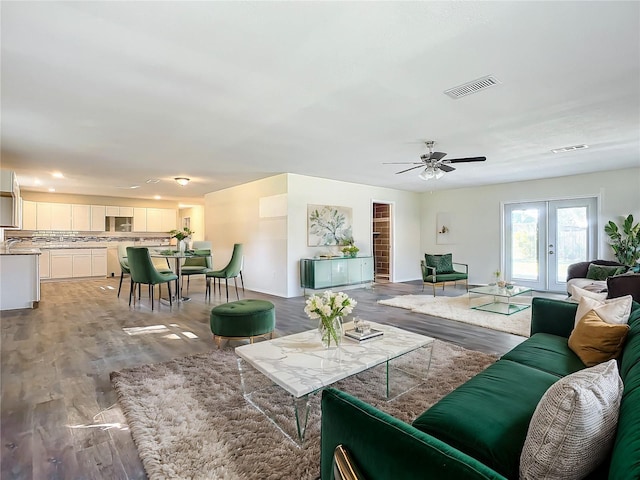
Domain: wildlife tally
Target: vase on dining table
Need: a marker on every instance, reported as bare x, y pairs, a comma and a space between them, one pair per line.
330, 329
182, 246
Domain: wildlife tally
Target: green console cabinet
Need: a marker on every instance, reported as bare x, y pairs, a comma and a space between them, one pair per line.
320, 273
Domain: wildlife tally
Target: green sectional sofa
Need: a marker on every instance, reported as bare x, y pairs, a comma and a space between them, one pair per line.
478, 430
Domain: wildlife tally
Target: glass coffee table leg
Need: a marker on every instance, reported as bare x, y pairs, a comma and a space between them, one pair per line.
301, 406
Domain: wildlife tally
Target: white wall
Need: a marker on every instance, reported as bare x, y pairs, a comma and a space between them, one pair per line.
233, 216
305, 190
476, 213
269, 217
196, 220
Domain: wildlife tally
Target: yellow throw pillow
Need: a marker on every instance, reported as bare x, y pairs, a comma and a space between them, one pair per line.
596, 341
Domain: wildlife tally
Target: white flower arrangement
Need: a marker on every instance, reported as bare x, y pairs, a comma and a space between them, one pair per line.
327, 307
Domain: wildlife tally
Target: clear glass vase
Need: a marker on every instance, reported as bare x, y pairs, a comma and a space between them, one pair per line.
330, 331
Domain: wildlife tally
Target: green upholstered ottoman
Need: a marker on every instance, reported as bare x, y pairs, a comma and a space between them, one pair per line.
243, 319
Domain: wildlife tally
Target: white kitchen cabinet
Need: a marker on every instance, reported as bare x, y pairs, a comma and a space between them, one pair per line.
169, 219
126, 212
154, 220
20, 282
45, 263
43, 216
99, 262
81, 264
112, 211
81, 218
61, 216
139, 220
61, 264
98, 213
29, 215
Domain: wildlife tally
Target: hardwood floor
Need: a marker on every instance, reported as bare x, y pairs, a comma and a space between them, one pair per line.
59, 413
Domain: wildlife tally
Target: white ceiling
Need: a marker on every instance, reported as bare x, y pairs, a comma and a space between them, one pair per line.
114, 93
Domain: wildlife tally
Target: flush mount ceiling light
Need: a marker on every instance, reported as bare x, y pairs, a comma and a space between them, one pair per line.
182, 180
57, 175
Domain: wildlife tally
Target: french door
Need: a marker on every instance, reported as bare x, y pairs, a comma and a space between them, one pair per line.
543, 238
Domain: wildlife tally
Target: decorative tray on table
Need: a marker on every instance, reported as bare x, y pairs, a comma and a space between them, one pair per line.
362, 336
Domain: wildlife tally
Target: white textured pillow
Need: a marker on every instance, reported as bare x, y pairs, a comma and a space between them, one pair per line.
614, 310
577, 293
574, 425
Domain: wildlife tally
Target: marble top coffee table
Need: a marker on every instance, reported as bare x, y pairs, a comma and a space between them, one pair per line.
302, 366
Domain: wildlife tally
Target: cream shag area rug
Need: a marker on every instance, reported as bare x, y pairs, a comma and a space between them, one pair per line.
457, 308
189, 419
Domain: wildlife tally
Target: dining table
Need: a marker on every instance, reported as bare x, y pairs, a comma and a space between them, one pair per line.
177, 256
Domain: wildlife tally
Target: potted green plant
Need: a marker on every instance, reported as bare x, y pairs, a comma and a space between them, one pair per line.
625, 242
350, 250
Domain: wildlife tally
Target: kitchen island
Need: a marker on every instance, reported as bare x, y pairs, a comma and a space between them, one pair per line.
19, 278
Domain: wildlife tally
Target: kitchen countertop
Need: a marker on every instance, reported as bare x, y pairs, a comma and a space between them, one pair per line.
19, 251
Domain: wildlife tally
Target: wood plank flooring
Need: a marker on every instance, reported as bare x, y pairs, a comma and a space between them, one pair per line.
59, 413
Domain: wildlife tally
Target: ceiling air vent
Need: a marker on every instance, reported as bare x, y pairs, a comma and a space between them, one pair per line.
569, 149
472, 87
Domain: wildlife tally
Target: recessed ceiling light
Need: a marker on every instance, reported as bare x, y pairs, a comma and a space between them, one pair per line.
153, 181
569, 149
52, 189
157, 197
37, 182
57, 175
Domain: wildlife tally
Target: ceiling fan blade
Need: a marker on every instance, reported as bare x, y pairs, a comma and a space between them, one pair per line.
445, 168
437, 156
402, 163
412, 168
468, 159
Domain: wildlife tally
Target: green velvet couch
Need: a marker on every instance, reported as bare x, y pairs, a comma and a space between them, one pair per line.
478, 430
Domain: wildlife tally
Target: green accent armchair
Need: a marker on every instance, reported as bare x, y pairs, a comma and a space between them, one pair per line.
439, 269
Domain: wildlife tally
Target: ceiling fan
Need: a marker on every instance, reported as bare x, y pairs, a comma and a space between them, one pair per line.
433, 163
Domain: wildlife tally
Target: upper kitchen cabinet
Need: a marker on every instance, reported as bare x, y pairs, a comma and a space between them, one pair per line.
81, 218
61, 216
119, 211
43, 216
139, 220
10, 202
169, 219
98, 213
29, 215
154, 220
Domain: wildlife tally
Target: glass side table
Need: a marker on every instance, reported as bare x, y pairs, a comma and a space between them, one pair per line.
503, 299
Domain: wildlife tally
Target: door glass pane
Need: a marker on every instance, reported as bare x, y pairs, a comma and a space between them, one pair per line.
572, 238
524, 244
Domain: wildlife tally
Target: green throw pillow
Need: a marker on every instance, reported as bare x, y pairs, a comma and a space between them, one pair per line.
442, 263
601, 272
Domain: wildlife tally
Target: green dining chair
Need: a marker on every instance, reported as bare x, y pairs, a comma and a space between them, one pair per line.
199, 264
232, 270
124, 264
144, 272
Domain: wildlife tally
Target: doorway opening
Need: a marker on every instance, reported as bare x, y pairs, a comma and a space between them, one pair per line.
382, 235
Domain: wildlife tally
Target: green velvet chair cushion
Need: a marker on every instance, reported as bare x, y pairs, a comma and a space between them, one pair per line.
386, 448
244, 318
445, 277
549, 353
442, 263
488, 416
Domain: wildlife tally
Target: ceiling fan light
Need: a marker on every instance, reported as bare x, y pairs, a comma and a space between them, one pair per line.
424, 175
439, 174
182, 180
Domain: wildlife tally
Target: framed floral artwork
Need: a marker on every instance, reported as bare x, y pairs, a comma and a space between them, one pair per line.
328, 225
